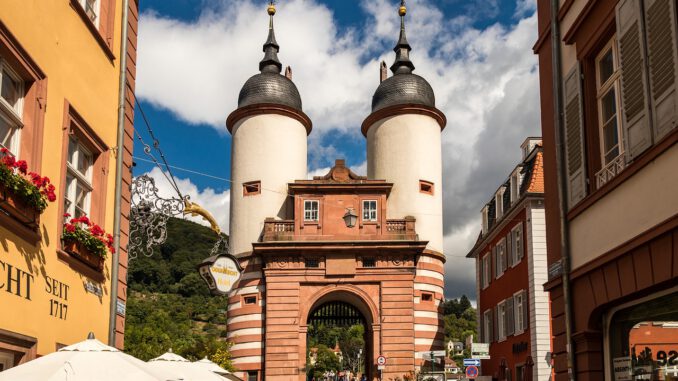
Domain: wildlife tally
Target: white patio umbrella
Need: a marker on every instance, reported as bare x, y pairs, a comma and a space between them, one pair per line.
172, 367
89, 360
213, 367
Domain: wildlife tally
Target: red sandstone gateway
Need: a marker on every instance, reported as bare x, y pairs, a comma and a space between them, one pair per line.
340, 250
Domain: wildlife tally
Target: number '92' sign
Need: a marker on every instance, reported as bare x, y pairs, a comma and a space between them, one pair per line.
667, 358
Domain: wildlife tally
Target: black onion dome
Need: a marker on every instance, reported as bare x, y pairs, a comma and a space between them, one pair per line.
269, 88
403, 89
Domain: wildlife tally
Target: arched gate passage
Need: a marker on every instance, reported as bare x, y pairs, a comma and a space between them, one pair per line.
342, 309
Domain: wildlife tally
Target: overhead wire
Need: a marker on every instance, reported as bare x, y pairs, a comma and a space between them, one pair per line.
156, 146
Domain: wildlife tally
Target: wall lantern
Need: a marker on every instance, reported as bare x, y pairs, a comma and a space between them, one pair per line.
220, 272
350, 218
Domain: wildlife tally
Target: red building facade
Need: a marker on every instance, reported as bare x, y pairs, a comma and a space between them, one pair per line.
510, 259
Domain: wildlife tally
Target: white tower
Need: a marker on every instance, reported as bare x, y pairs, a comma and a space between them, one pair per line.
404, 145
269, 148
404, 148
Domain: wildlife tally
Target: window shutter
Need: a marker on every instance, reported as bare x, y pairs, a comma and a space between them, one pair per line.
495, 325
494, 262
637, 132
526, 310
482, 325
503, 256
481, 272
509, 248
574, 138
510, 326
519, 242
490, 326
662, 47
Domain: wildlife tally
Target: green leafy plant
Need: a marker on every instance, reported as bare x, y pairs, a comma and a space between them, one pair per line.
90, 235
33, 189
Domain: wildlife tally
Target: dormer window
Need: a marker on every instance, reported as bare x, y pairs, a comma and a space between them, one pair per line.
515, 186
311, 208
485, 220
499, 203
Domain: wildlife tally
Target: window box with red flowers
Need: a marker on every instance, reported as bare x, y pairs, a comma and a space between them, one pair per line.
23, 195
86, 241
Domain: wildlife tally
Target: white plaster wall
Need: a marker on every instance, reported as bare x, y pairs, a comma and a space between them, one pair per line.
270, 148
540, 318
404, 149
643, 201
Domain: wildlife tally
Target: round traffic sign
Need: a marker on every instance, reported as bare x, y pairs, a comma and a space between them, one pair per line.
381, 360
472, 371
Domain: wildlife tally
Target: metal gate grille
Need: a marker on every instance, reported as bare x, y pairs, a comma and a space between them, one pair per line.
336, 314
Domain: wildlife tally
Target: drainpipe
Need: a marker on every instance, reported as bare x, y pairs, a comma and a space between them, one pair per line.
119, 167
562, 183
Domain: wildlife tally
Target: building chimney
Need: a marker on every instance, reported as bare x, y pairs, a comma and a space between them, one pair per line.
288, 73
383, 72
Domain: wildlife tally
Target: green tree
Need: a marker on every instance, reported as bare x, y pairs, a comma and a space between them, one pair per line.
325, 361
169, 305
352, 344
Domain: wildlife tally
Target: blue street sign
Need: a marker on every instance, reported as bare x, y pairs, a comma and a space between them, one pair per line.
471, 362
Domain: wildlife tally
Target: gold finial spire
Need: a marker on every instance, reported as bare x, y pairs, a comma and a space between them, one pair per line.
271, 8
402, 11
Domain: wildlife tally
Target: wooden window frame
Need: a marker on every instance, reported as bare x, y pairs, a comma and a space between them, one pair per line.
487, 271
487, 326
32, 119
317, 219
501, 321
74, 125
376, 211
12, 114
247, 192
103, 31
426, 187
602, 89
85, 180
24, 348
518, 312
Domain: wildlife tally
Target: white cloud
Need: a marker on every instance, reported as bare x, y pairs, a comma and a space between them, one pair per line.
214, 202
485, 81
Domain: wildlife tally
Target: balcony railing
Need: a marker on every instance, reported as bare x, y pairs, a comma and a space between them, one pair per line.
611, 170
284, 230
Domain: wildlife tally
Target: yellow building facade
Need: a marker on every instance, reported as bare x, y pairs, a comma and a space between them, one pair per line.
62, 65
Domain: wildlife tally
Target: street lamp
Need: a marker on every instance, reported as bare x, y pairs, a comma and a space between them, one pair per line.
350, 218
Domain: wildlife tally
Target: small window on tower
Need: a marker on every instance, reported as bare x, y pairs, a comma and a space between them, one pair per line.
251, 188
369, 262
250, 300
426, 297
426, 187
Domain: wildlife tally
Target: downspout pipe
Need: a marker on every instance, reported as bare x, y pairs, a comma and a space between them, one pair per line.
119, 168
563, 194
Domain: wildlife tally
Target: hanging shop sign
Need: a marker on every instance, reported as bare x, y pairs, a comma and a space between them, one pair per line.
220, 272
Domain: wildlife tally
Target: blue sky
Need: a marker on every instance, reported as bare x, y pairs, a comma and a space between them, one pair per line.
195, 55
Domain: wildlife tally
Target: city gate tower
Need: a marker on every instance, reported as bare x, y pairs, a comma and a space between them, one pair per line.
340, 248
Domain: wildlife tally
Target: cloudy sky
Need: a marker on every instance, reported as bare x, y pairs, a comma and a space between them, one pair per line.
195, 55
